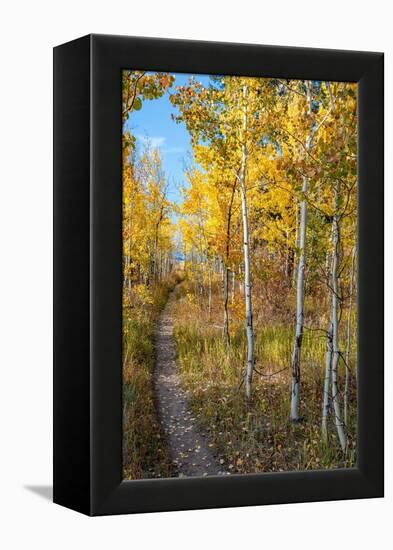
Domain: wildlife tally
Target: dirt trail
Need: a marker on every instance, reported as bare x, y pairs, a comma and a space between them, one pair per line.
188, 447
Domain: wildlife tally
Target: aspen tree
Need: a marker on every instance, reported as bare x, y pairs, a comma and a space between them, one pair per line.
246, 247
297, 345
334, 323
349, 332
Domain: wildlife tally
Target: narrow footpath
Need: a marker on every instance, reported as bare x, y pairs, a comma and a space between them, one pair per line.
189, 450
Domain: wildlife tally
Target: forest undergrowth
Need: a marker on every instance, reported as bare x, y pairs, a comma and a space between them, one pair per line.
256, 435
145, 452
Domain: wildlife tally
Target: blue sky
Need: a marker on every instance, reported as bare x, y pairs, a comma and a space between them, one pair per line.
153, 122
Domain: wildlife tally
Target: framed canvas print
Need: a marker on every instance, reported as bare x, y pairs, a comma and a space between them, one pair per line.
218, 275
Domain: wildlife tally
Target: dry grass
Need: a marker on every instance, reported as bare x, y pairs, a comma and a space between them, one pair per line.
256, 436
145, 452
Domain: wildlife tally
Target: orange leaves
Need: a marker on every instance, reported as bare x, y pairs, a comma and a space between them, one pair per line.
139, 86
166, 81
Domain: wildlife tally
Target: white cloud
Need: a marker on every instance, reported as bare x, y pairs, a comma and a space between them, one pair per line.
159, 141
154, 141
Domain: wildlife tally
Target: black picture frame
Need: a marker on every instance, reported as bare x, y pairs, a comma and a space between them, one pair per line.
88, 278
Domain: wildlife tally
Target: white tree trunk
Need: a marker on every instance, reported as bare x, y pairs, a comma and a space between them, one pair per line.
326, 383
328, 358
348, 349
335, 305
246, 250
294, 273
233, 287
226, 268
210, 290
327, 264
299, 308
297, 345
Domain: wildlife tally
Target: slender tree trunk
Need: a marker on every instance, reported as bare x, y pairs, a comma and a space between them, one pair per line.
233, 287
155, 244
294, 272
299, 308
226, 317
328, 359
297, 345
327, 265
185, 258
335, 305
127, 277
201, 279
160, 271
210, 290
286, 265
326, 383
246, 249
348, 349
241, 288
155, 253
226, 268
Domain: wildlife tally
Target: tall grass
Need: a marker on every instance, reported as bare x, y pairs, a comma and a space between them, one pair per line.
145, 452
257, 435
